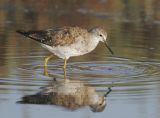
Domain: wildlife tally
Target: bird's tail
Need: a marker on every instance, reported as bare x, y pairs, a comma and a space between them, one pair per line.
22, 32
27, 34
40, 36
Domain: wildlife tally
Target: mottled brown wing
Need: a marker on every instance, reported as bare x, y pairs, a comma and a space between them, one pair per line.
56, 36
66, 35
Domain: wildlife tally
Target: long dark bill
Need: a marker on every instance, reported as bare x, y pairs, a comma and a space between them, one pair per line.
108, 48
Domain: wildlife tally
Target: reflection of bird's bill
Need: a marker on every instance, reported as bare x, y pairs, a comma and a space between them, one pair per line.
109, 90
109, 48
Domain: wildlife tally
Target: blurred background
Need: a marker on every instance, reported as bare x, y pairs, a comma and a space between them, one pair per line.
133, 28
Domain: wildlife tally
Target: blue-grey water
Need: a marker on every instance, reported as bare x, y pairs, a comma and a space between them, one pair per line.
133, 29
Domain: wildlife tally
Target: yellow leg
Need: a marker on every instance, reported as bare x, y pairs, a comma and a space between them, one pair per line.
64, 68
45, 64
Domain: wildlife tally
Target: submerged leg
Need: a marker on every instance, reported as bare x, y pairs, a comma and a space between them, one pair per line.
45, 64
64, 67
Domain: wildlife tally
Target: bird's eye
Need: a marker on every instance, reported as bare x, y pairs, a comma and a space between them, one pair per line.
100, 35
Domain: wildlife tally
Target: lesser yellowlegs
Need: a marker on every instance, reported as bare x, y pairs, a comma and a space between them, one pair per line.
66, 42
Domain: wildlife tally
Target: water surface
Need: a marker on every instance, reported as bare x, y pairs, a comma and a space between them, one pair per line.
133, 32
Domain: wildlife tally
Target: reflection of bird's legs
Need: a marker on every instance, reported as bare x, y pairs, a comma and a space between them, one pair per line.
64, 67
45, 64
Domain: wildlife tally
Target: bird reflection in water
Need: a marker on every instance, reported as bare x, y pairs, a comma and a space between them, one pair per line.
71, 94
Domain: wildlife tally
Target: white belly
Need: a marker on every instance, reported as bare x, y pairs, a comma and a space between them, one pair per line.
72, 50
62, 52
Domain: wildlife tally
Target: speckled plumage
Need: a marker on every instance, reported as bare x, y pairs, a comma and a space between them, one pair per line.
59, 36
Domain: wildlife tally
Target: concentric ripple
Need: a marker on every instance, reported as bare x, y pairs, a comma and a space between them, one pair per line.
117, 68
126, 75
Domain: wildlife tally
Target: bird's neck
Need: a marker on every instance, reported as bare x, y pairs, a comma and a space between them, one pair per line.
94, 42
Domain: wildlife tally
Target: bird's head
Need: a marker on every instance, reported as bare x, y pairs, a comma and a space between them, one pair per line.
101, 36
100, 105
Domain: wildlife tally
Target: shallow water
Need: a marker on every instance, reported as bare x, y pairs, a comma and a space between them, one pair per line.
133, 32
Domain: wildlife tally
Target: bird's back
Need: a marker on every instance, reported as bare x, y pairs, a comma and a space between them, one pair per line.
58, 36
